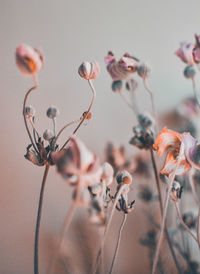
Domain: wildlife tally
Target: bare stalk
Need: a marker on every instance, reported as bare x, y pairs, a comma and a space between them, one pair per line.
184, 224
163, 221
198, 227
54, 126
118, 241
33, 126
85, 116
39, 213
65, 226
161, 210
107, 227
152, 97
24, 108
194, 91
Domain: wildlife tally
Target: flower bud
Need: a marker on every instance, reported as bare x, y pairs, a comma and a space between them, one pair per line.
117, 86
52, 112
89, 70
144, 70
189, 72
29, 112
145, 120
48, 134
124, 177
176, 191
28, 60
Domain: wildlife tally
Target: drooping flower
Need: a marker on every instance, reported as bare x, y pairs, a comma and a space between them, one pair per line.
196, 50
77, 161
178, 147
29, 60
122, 69
185, 53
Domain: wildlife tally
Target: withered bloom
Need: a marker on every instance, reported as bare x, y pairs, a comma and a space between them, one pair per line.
185, 53
77, 161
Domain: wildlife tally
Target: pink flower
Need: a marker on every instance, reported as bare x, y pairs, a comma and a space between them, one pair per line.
196, 50
77, 162
28, 60
178, 146
122, 69
185, 53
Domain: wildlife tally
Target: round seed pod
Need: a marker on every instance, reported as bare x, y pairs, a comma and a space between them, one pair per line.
89, 70
48, 134
29, 112
189, 72
124, 177
52, 112
116, 86
144, 70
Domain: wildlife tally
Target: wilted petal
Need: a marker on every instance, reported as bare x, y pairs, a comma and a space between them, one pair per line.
188, 142
185, 53
196, 55
32, 156
167, 139
129, 63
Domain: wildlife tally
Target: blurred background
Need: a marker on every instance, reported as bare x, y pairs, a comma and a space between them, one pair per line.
69, 32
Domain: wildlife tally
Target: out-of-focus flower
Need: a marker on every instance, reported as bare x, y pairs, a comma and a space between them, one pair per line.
144, 70
77, 161
107, 173
145, 193
189, 219
149, 239
143, 137
89, 70
117, 86
52, 112
29, 112
185, 53
28, 60
196, 50
48, 134
131, 85
178, 147
115, 156
188, 108
176, 191
122, 69
189, 72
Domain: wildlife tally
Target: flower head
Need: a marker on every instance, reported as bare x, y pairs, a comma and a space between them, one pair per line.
29, 60
89, 70
178, 146
185, 53
196, 50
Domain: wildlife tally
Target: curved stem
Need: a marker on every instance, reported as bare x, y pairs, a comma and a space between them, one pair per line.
62, 129
127, 103
161, 210
163, 220
183, 224
152, 97
107, 227
85, 116
33, 126
194, 91
65, 226
39, 213
24, 107
118, 241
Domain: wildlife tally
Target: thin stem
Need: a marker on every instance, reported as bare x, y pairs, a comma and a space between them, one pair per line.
54, 126
194, 91
118, 241
33, 126
127, 103
161, 210
85, 116
24, 108
39, 213
65, 226
198, 227
183, 224
107, 226
152, 97
163, 220
66, 126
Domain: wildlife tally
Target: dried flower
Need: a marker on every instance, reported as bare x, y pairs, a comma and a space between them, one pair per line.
115, 156
52, 112
143, 138
77, 161
29, 60
48, 134
185, 53
178, 147
33, 157
189, 72
144, 70
122, 69
29, 112
89, 70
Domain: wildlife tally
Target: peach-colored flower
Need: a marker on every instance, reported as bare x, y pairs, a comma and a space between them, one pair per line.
122, 69
185, 53
178, 146
196, 50
28, 60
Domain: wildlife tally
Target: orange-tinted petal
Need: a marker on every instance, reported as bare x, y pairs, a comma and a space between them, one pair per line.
167, 139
